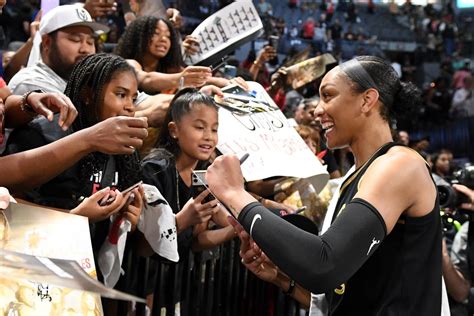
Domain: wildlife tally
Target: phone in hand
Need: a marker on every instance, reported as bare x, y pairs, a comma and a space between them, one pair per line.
130, 188
230, 71
199, 184
300, 210
273, 41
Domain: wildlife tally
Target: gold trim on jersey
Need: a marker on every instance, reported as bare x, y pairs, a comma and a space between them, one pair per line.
351, 178
426, 162
342, 209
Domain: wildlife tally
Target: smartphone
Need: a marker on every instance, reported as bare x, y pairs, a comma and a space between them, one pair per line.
300, 210
237, 92
230, 71
199, 184
130, 188
219, 64
273, 41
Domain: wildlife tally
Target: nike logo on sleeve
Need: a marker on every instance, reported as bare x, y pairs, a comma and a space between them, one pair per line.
255, 218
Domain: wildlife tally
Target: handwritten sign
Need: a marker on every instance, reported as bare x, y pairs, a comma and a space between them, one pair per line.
274, 146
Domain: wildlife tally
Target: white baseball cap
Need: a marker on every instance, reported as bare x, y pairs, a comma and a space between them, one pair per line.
61, 17
69, 15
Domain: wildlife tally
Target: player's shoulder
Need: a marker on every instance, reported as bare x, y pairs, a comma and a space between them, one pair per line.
405, 154
400, 162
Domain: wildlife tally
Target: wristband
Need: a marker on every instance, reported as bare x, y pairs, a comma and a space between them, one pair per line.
25, 106
291, 288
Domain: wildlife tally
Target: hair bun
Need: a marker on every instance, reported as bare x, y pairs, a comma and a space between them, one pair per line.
407, 101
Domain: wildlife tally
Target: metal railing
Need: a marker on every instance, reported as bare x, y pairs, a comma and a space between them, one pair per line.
212, 282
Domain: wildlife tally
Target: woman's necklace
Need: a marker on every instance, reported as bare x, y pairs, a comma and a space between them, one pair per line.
177, 190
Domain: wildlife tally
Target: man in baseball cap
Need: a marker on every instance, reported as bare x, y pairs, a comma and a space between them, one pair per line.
66, 34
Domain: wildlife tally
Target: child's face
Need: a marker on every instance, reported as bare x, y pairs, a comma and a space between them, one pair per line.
442, 164
119, 96
196, 132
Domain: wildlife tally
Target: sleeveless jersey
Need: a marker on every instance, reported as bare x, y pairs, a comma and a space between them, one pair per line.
403, 276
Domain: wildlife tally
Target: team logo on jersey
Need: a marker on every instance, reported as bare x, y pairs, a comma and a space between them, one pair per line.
374, 242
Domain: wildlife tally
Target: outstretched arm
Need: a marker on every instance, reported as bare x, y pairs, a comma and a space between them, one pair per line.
28, 169
153, 81
19, 110
321, 263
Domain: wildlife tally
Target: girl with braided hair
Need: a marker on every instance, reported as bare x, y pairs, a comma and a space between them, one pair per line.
101, 86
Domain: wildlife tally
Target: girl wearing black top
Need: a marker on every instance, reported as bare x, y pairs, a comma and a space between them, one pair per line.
382, 254
185, 143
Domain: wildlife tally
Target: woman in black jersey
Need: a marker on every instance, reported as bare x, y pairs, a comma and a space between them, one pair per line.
382, 253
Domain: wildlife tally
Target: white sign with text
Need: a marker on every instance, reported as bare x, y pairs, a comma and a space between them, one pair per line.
274, 147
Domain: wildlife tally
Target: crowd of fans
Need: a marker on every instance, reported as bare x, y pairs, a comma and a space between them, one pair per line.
97, 88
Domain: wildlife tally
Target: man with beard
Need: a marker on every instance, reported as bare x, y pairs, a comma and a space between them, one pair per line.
66, 35
26, 170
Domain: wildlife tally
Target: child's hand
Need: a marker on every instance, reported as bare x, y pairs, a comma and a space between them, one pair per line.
194, 212
94, 207
133, 209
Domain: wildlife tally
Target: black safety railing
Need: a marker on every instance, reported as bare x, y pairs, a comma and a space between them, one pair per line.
212, 282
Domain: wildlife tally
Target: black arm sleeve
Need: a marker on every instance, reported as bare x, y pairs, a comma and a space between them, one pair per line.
318, 263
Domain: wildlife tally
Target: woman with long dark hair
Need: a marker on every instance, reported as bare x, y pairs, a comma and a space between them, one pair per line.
151, 45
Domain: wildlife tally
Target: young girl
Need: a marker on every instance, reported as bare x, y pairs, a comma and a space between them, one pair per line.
441, 165
101, 86
186, 143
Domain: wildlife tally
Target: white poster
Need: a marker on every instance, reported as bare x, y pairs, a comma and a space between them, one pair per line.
47, 264
275, 148
238, 22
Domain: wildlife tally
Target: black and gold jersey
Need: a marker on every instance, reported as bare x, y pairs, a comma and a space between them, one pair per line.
394, 280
